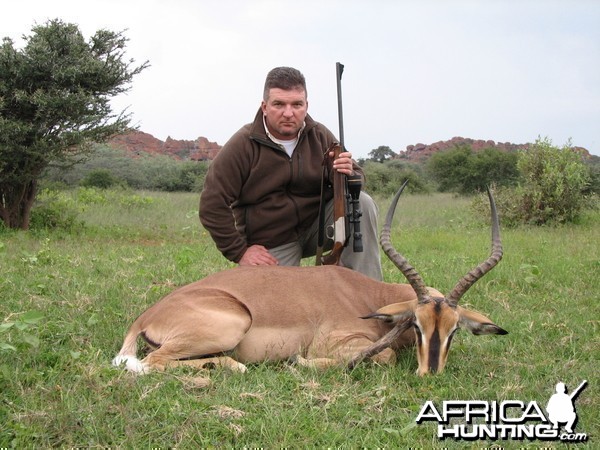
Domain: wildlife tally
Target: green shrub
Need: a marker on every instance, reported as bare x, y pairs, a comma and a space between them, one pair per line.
101, 178
552, 190
593, 186
507, 204
385, 178
91, 196
554, 181
55, 210
135, 201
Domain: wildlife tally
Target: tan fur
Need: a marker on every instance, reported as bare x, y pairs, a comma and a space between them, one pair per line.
257, 314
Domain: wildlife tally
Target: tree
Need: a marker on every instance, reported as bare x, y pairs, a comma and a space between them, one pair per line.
466, 172
54, 103
381, 153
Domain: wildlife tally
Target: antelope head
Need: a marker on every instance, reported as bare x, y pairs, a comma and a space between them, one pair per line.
434, 318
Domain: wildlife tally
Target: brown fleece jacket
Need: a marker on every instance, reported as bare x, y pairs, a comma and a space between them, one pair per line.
254, 193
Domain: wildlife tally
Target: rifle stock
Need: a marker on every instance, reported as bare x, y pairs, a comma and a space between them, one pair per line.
340, 227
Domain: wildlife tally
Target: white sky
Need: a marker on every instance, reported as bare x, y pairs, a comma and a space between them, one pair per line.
415, 71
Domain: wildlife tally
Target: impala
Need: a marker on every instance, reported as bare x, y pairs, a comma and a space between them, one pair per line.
320, 316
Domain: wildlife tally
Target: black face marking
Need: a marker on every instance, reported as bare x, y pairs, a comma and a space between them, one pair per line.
434, 351
450, 337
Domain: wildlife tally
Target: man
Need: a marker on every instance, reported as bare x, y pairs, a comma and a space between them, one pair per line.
262, 192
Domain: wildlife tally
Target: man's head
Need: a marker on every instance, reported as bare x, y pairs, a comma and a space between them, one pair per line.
284, 78
284, 102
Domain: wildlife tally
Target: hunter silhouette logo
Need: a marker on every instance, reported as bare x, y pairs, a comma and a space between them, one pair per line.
508, 419
561, 406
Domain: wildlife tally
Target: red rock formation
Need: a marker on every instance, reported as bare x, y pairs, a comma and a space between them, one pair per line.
138, 142
420, 152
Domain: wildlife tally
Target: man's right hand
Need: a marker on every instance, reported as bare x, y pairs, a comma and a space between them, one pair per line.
258, 255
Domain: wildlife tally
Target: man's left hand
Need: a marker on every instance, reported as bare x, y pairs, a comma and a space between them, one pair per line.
343, 163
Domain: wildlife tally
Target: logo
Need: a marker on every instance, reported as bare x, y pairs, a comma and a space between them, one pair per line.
509, 419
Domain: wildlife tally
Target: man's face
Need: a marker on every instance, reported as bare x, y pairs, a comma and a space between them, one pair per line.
285, 112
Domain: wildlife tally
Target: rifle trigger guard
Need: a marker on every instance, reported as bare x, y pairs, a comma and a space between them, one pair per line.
330, 232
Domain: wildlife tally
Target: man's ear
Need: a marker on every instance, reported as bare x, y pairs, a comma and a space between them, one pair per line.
394, 313
476, 323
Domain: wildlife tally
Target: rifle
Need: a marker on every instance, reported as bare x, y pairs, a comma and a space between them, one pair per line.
576, 392
346, 191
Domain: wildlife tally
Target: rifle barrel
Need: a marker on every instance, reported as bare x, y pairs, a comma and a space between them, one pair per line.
578, 390
339, 69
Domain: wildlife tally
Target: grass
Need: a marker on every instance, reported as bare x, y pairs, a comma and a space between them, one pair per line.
71, 297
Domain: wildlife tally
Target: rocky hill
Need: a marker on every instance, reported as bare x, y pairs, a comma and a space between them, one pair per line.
138, 142
201, 149
421, 152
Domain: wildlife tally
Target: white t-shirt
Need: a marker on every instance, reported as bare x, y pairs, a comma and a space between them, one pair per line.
288, 146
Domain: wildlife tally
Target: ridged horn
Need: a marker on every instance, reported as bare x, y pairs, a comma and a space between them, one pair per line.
496, 255
400, 261
381, 344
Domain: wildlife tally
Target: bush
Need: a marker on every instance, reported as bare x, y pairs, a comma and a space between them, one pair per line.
100, 178
386, 178
554, 182
593, 186
507, 204
54, 210
108, 167
553, 188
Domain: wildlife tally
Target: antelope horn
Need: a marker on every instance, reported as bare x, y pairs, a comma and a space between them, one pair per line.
381, 344
470, 278
400, 261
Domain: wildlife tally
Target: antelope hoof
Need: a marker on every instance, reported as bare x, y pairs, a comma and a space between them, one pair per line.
131, 363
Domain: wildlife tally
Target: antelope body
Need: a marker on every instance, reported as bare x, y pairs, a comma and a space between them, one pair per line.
314, 314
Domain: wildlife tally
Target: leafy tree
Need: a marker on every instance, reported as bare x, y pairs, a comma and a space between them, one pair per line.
466, 172
54, 102
450, 168
381, 154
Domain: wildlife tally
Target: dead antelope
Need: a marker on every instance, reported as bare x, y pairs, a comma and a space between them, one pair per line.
316, 314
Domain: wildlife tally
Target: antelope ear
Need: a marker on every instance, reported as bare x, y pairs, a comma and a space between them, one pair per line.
396, 312
476, 323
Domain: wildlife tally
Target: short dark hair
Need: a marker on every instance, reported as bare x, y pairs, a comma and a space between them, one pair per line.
286, 78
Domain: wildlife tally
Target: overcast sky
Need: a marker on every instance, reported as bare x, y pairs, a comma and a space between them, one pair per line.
415, 71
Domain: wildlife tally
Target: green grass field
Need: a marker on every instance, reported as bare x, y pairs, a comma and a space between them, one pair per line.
66, 300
